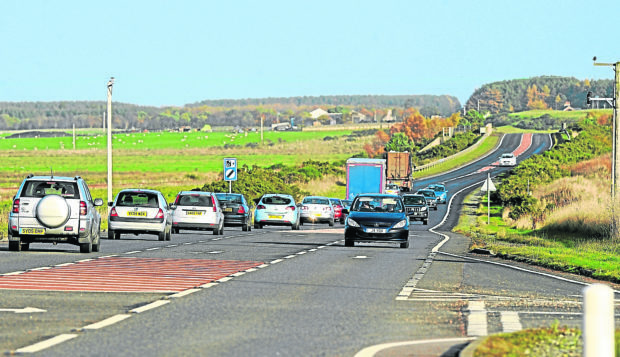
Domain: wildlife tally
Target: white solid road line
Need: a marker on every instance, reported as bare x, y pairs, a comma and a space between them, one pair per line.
373, 350
39, 346
183, 293
107, 322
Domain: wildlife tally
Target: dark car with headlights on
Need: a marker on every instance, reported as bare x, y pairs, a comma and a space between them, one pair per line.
377, 218
416, 207
237, 212
431, 197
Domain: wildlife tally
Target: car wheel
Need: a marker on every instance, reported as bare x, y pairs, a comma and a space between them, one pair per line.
249, 226
301, 223
86, 247
111, 234
257, 226
341, 220
405, 244
175, 230
162, 235
98, 240
331, 222
15, 246
25, 246
169, 235
245, 227
425, 222
222, 229
435, 208
117, 236
349, 242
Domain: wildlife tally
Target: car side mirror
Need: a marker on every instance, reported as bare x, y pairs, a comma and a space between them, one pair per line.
98, 202
172, 206
111, 203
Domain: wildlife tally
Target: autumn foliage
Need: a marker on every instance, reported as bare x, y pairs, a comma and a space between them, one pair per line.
415, 126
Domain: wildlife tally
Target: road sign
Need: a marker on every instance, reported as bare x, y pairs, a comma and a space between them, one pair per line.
230, 169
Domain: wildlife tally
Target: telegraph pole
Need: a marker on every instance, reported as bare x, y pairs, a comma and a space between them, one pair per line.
109, 117
615, 161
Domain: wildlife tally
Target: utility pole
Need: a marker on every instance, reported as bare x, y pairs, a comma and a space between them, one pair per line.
109, 117
615, 162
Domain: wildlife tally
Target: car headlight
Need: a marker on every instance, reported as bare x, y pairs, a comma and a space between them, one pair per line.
352, 223
400, 224
423, 209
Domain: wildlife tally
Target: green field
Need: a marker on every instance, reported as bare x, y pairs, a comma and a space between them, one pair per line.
574, 115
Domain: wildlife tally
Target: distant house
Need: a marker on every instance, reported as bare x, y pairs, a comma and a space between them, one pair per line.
358, 117
318, 112
567, 107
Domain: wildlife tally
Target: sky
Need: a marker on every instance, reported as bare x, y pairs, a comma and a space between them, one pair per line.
172, 53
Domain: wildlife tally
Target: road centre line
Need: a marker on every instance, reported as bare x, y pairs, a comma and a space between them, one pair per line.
39, 346
154, 248
150, 306
107, 322
133, 252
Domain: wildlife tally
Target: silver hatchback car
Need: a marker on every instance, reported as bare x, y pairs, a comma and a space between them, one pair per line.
139, 211
197, 210
316, 209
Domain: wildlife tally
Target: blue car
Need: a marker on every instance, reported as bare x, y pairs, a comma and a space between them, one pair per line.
377, 218
440, 192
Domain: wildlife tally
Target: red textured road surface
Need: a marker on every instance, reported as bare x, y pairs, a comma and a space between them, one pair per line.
526, 142
115, 274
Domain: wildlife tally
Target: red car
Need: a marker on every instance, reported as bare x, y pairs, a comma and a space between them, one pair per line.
338, 215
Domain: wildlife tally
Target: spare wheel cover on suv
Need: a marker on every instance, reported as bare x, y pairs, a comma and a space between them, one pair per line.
53, 211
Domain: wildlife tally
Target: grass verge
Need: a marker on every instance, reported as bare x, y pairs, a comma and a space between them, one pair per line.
485, 147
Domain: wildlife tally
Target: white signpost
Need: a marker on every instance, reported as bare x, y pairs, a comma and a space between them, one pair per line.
230, 171
487, 187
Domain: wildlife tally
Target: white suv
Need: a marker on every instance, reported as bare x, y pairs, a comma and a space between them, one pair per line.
53, 209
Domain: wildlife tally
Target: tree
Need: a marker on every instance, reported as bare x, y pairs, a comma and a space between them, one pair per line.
400, 143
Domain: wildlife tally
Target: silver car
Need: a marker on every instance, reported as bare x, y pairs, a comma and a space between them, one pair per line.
139, 211
197, 210
53, 209
317, 209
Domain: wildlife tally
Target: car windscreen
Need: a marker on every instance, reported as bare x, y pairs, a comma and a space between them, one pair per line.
276, 200
414, 200
229, 198
195, 200
44, 188
315, 201
142, 199
378, 204
427, 193
335, 201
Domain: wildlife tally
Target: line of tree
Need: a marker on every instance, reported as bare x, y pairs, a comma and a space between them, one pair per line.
544, 92
242, 113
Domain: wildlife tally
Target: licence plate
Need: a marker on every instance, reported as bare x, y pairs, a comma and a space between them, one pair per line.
375, 230
136, 213
193, 213
317, 215
227, 209
37, 231
275, 217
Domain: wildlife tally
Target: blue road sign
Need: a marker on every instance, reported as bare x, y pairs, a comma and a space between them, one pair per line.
230, 169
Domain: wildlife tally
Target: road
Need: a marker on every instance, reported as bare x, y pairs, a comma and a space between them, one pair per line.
276, 291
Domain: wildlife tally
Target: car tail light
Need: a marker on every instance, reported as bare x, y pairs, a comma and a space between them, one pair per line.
16, 206
176, 200
241, 210
160, 214
304, 208
260, 207
213, 203
82, 208
290, 208
113, 212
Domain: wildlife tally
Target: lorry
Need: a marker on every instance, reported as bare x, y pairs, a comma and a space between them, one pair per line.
365, 176
398, 170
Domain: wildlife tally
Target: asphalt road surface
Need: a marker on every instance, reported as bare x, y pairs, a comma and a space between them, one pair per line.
276, 291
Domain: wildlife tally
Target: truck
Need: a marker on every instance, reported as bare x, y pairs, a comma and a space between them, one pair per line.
399, 170
365, 176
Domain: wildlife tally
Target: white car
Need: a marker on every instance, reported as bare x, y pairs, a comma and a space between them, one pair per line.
317, 209
507, 159
139, 211
197, 210
277, 210
392, 189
